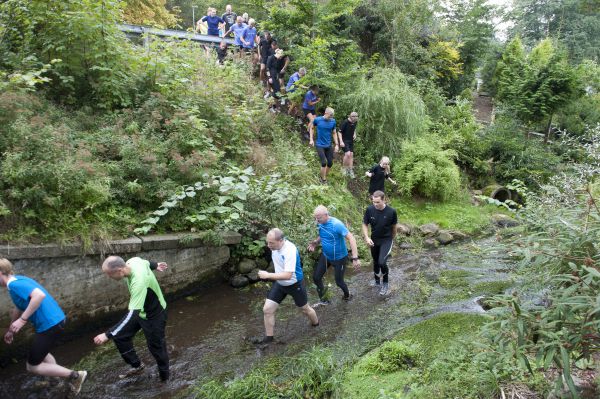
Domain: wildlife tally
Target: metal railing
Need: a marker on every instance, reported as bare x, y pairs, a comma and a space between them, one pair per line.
145, 31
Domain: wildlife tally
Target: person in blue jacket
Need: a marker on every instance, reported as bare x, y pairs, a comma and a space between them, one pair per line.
33, 304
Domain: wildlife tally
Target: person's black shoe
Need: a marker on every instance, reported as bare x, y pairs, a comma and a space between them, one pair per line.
261, 340
164, 375
348, 298
133, 371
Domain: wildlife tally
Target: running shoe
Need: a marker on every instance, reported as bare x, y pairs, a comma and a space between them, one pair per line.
322, 302
348, 298
133, 371
267, 95
282, 101
385, 289
164, 375
351, 173
375, 283
78, 382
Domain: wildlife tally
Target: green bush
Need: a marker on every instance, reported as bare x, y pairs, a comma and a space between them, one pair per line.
427, 170
385, 121
395, 355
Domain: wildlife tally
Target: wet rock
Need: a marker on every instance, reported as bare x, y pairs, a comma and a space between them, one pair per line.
271, 268
403, 229
430, 243
246, 266
504, 221
239, 281
253, 276
262, 263
444, 237
459, 235
429, 229
405, 245
477, 192
425, 262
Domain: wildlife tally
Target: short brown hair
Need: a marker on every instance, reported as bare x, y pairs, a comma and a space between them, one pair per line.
6, 267
379, 194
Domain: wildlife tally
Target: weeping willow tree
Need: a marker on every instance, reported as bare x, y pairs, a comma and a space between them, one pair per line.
390, 111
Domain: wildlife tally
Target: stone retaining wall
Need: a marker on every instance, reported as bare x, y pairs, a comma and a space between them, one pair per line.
74, 277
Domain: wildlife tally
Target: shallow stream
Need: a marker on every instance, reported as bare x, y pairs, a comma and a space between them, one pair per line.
206, 332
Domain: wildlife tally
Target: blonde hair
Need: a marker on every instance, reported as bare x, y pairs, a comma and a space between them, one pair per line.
386, 167
6, 267
329, 110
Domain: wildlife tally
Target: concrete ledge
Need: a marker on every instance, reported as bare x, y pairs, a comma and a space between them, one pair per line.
125, 246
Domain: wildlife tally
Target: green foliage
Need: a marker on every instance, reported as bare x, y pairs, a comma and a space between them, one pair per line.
514, 156
461, 133
148, 12
385, 121
427, 170
536, 85
313, 374
393, 356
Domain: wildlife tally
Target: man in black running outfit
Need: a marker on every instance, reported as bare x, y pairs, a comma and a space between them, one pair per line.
383, 221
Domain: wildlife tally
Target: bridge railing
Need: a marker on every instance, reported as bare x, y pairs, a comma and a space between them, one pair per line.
138, 30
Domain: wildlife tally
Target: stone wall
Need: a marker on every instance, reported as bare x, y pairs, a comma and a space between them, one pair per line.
74, 278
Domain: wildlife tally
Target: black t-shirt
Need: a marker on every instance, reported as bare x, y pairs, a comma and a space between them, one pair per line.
381, 221
280, 63
347, 130
229, 20
265, 47
378, 179
221, 54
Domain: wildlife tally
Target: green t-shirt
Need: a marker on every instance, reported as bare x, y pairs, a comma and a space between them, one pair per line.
145, 292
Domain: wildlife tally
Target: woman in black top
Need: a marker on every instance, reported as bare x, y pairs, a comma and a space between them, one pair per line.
378, 174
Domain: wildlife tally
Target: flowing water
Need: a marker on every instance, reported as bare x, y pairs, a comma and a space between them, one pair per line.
206, 333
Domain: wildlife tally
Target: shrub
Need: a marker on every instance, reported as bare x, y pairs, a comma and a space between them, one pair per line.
385, 120
395, 355
427, 170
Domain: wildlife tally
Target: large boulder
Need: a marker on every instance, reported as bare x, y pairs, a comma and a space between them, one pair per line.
253, 276
246, 266
262, 263
403, 229
430, 243
429, 229
239, 281
444, 237
504, 221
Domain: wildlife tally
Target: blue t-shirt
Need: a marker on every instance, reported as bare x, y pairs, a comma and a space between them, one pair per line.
324, 129
333, 239
47, 315
238, 31
310, 96
290, 84
249, 35
213, 24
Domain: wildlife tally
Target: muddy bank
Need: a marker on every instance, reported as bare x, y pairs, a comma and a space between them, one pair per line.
206, 332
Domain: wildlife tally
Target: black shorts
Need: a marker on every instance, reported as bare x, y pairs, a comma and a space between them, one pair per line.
297, 291
348, 145
325, 155
44, 342
308, 111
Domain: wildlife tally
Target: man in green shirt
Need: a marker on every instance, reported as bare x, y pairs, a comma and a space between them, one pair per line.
147, 311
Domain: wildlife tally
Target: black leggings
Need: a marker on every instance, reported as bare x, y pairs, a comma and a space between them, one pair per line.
154, 330
326, 156
339, 267
381, 252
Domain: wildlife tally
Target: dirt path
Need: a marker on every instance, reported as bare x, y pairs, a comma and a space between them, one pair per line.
483, 108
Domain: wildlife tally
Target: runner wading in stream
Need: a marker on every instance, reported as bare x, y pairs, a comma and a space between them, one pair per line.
332, 237
147, 311
34, 304
288, 280
383, 220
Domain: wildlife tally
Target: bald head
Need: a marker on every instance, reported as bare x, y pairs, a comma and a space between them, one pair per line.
114, 267
275, 239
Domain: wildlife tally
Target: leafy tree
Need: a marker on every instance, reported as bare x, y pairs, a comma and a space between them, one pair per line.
391, 111
148, 12
576, 23
535, 86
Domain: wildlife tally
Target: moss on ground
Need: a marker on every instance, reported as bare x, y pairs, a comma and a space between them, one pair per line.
434, 335
459, 214
486, 288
